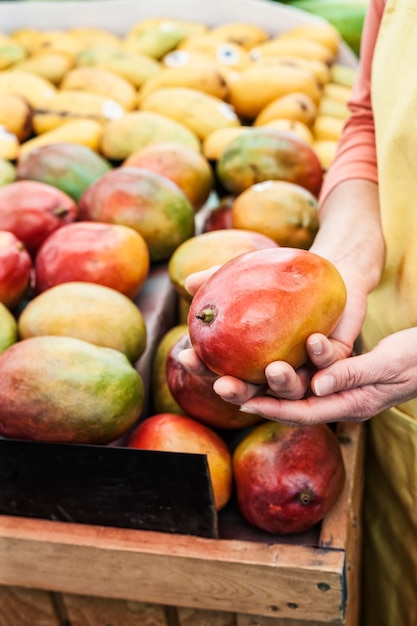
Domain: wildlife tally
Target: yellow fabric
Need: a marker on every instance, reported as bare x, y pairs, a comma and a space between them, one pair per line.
390, 502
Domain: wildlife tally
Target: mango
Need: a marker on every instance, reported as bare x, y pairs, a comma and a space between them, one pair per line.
16, 115
112, 255
67, 390
154, 41
196, 396
8, 328
15, 270
187, 168
68, 166
137, 129
7, 172
285, 212
87, 311
162, 399
241, 33
201, 112
211, 248
259, 84
102, 81
10, 52
32, 210
268, 154
145, 201
204, 76
131, 65
288, 478
52, 66
86, 132
261, 307
170, 432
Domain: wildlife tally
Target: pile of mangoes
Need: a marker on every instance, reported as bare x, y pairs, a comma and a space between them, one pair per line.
169, 80
111, 150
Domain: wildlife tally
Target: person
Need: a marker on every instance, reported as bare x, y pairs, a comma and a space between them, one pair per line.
368, 229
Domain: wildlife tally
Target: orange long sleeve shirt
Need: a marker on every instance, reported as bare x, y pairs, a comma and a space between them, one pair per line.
356, 154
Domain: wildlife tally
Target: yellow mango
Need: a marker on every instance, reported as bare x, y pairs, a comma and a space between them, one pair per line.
199, 111
257, 86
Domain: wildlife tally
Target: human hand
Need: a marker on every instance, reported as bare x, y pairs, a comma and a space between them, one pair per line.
352, 389
283, 381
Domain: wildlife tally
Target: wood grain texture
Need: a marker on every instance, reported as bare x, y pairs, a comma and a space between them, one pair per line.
26, 607
197, 617
90, 611
257, 580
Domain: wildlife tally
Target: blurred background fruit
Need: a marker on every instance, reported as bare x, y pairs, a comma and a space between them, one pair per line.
15, 270
68, 166
32, 210
283, 211
145, 201
88, 311
187, 168
112, 255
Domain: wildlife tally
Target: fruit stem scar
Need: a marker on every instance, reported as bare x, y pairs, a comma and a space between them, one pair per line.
206, 315
61, 211
305, 497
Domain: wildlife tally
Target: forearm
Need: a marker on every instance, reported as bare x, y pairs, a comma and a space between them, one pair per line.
350, 233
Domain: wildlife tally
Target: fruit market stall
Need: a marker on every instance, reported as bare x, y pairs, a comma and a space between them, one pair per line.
102, 526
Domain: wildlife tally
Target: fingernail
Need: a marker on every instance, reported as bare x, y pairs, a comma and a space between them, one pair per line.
325, 385
245, 409
277, 375
316, 347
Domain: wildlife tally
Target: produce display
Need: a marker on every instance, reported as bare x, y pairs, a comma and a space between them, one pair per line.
181, 146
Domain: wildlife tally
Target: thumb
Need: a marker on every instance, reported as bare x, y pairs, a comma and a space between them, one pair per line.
343, 375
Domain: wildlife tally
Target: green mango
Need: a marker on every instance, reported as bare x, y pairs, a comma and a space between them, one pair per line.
8, 328
68, 166
67, 390
7, 172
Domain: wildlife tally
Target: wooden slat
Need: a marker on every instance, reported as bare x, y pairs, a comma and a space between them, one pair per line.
251, 620
91, 611
26, 607
335, 526
171, 569
197, 617
256, 580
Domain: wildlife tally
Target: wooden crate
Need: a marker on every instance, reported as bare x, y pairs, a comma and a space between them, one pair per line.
102, 575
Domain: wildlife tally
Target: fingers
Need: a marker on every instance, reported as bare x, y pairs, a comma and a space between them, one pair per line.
312, 410
235, 390
195, 280
190, 361
285, 382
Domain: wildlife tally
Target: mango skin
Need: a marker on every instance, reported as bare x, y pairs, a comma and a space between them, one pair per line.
268, 154
8, 328
261, 307
196, 396
32, 210
15, 270
144, 200
206, 249
62, 389
288, 477
112, 255
68, 166
87, 311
